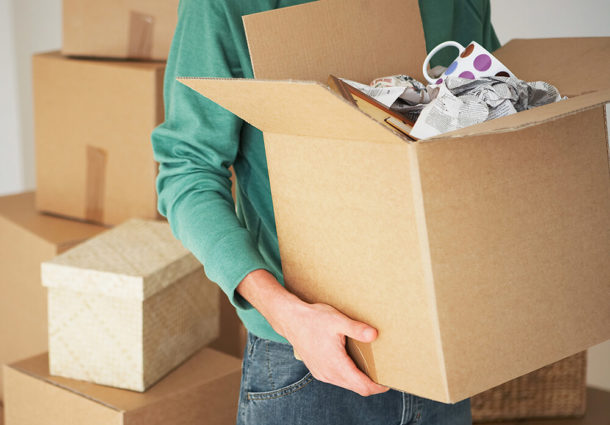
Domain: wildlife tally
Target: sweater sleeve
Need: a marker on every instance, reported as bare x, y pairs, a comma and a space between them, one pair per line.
196, 144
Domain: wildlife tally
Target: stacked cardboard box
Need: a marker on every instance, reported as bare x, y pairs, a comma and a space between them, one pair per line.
93, 120
137, 29
204, 390
95, 168
28, 238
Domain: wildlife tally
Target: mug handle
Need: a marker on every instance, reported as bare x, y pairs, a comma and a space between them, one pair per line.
433, 52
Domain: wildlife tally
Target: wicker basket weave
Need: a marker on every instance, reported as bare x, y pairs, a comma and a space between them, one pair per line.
128, 306
557, 390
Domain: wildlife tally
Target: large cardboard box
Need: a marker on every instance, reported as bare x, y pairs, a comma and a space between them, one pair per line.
93, 121
139, 29
204, 390
479, 255
128, 306
26, 239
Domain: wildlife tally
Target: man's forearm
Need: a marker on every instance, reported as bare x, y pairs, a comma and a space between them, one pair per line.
269, 297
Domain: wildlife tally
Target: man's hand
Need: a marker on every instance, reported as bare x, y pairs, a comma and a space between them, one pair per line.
316, 331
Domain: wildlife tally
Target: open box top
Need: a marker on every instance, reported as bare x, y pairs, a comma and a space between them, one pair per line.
294, 50
480, 254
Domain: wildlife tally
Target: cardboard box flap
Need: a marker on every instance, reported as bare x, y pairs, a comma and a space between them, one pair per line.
574, 65
292, 107
356, 39
206, 365
533, 116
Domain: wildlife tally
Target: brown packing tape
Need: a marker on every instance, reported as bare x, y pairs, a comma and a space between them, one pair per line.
141, 30
95, 184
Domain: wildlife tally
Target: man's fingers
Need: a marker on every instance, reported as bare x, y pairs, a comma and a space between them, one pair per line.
358, 330
353, 379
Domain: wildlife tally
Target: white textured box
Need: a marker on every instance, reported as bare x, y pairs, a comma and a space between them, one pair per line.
127, 307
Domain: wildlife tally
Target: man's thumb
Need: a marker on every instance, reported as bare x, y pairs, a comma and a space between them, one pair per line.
360, 331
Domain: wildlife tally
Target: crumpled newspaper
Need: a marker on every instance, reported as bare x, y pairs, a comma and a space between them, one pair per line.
400, 93
413, 97
461, 102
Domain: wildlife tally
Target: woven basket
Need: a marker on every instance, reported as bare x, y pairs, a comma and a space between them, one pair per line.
557, 390
127, 307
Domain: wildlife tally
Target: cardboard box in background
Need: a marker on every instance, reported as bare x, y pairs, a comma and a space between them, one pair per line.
26, 239
232, 337
139, 29
202, 391
128, 306
93, 121
480, 255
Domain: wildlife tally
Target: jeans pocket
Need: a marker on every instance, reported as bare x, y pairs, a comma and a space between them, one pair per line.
273, 371
283, 391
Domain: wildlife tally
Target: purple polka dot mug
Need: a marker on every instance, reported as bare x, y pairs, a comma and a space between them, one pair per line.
473, 61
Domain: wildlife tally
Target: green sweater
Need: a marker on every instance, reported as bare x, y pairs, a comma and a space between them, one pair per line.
199, 140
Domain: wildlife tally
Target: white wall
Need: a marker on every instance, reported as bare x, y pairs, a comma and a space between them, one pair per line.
559, 18
550, 18
26, 27
11, 170
29, 26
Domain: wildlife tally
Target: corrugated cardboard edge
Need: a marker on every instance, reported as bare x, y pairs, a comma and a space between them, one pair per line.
422, 230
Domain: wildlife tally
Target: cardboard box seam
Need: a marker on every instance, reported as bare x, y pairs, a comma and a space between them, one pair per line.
422, 231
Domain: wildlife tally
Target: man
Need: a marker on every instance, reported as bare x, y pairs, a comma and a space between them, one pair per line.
195, 146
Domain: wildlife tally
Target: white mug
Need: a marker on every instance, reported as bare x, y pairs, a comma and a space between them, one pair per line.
473, 62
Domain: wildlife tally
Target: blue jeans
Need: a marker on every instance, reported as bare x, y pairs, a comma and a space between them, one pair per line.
277, 389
